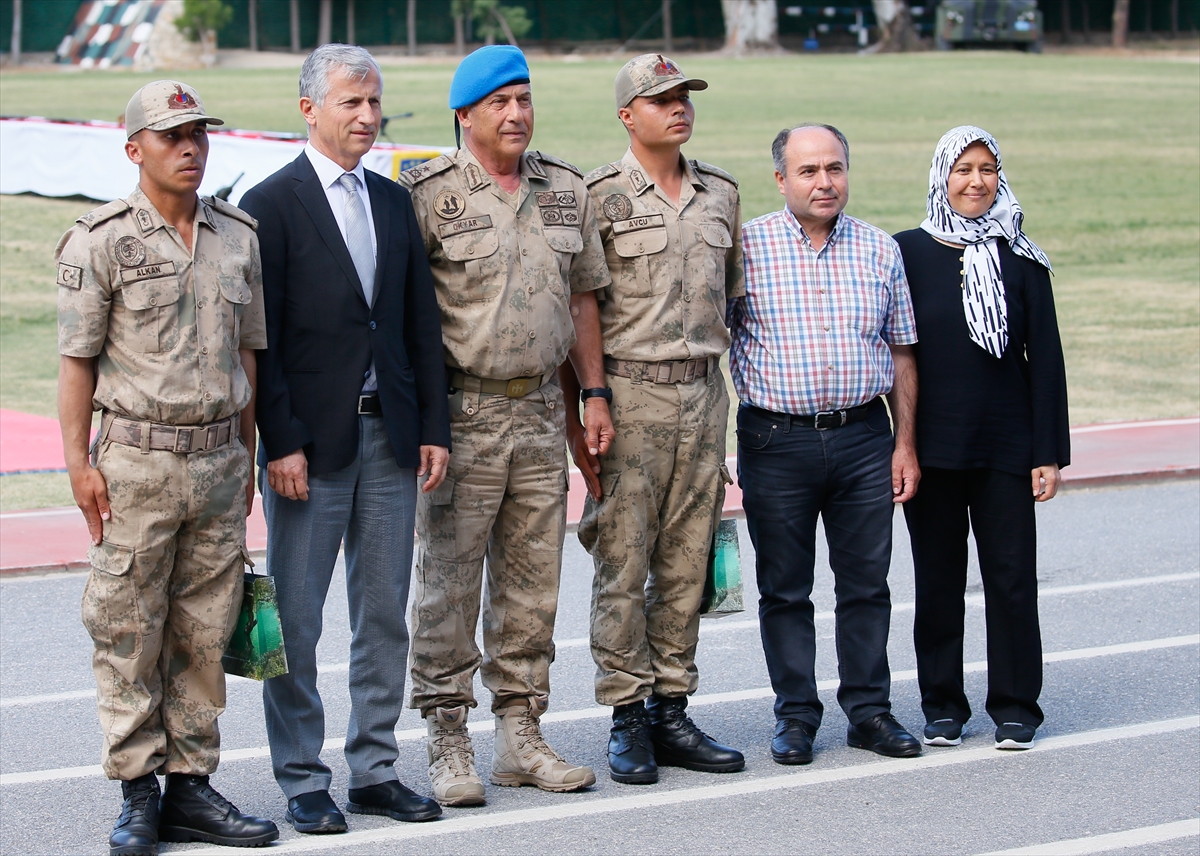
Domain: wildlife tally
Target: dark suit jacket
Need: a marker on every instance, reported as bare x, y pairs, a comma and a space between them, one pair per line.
321, 334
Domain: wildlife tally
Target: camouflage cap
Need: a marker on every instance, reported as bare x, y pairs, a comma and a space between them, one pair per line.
165, 104
650, 74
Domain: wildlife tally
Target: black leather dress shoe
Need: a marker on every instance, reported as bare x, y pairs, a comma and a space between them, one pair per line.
393, 800
316, 813
793, 742
192, 810
630, 754
679, 743
884, 735
136, 832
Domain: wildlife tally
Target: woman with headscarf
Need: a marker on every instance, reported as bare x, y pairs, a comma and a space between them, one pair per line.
992, 435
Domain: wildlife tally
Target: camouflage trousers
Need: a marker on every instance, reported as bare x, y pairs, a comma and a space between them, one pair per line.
664, 483
504, 500
161, 603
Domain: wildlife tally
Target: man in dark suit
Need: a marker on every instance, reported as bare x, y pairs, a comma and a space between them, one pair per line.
352, 411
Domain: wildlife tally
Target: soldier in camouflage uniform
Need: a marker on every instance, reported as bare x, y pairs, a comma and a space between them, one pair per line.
159, 310
672, 236
516, 259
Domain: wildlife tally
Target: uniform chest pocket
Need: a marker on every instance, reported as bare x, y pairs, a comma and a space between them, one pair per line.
150, 295
566, 243
481, 276
635, 241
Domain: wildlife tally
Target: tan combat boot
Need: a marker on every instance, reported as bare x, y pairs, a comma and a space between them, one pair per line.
452, 759
521, 756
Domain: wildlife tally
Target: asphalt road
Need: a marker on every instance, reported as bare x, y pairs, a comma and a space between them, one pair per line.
1117, 763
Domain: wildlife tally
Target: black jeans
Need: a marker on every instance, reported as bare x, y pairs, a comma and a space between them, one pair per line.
1000, 508
789, 475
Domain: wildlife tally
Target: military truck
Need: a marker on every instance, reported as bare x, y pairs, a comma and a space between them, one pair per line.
984, 23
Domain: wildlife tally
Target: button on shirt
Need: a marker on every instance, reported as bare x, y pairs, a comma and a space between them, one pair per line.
330, 174
673, 266
812, 332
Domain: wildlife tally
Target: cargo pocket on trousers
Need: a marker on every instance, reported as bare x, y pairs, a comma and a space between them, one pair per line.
603, 514
440, 523
110, 601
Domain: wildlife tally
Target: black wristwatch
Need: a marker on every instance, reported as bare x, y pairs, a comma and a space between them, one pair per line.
596, 392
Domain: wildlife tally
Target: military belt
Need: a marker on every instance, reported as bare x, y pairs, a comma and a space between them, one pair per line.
670, 371
517, 387
152, 436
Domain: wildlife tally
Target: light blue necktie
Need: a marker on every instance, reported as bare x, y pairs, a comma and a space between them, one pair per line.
358, 235
358, 242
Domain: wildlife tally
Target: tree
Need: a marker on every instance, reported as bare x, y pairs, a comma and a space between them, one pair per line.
492, 21
750, 25
200, 22
1120, 27
896, 30
16, 33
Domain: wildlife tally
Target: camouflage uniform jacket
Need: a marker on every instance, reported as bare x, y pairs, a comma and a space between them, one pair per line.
166, 323
673, 268
505, 267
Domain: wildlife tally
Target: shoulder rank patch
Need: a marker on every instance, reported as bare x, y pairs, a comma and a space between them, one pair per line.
535, 166
422, 171
701, 166
231, 210
601, 172
70, 276
96, 216
129, 251
545, 158
637, 180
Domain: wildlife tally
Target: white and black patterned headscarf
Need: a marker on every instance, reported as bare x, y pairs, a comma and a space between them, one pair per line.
983, 288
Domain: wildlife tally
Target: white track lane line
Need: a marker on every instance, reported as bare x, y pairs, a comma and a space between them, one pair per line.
707, 628
584, 807
333, 744
1111, 841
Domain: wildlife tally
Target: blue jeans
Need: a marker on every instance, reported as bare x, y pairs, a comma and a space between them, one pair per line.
789, 475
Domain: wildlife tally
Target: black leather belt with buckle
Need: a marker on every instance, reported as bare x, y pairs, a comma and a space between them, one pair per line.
825, 419
368, 405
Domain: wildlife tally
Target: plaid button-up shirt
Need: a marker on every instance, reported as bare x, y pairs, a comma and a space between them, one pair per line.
813, 330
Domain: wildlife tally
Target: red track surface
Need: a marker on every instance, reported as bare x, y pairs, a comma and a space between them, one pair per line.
56, 538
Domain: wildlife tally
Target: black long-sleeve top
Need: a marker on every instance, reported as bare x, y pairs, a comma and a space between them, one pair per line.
974, 410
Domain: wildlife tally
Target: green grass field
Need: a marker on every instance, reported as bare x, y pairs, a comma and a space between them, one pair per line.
1103, 153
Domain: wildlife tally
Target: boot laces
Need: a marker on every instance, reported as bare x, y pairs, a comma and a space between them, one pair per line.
213, 796
679, 720
531, 732
135, 803
454, 747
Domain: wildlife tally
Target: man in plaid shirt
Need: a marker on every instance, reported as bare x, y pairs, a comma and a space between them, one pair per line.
825, 328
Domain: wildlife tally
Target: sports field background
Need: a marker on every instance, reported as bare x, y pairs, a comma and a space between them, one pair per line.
1103, 153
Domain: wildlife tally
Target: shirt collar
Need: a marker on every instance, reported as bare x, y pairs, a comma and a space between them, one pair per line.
794, 225
328, 171
642, 182
148, 218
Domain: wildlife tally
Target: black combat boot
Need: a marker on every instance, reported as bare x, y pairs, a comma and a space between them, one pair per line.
679, 743
630, 755
193, 811
136, 832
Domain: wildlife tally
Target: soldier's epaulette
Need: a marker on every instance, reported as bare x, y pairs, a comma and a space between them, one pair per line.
701, 166
601, 172
231, 210
96, 216
422, 171
545, 158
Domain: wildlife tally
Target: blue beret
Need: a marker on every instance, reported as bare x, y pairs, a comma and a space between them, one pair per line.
486, 70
